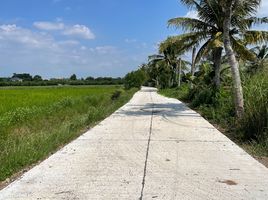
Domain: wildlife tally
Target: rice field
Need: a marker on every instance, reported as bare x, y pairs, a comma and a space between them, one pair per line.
35, 121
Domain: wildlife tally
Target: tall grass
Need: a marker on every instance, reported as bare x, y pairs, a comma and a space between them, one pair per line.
39, 120
255, 121
181, 93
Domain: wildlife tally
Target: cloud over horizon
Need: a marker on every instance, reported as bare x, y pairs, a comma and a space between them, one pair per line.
77, 30
58, 56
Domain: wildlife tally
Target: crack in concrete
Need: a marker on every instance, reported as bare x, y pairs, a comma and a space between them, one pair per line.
148, 148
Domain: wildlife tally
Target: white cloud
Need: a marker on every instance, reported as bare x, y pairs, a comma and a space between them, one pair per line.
83, 48
130, 40
263, 8
49, 26
36, 52
69, 42
262, 12
8, 27
192, 14
15, 34
105, 49
78, 30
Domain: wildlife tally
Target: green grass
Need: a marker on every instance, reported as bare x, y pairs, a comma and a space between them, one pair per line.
177, 93
35, 121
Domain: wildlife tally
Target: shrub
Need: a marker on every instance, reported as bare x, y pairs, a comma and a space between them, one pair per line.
205, 96
116, 95
135, 79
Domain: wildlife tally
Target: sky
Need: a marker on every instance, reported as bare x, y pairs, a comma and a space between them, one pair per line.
57, 38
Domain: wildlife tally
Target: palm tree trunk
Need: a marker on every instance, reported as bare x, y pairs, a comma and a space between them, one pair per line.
237, 87
217, 56
157, 82
193, 65
179, 79
177, 73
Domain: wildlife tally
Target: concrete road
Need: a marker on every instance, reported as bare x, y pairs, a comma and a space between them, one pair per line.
152, 148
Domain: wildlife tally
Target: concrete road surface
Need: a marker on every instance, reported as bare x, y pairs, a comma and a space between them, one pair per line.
152, 148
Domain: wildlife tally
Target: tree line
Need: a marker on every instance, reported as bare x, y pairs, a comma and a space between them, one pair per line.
26, 79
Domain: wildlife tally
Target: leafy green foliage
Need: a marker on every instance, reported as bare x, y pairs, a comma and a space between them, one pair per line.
135, 79
73, 77
181, 93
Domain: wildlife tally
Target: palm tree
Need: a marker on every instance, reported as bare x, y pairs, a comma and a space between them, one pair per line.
193, 65
207, 31
224, 23
244, 9
159, 69
173, 51
238, 91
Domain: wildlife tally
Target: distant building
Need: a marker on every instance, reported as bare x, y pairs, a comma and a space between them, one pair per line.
16, 79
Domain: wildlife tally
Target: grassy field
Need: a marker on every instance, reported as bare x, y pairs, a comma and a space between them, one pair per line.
35, 121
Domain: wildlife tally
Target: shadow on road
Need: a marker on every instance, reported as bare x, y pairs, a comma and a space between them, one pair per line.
158, 109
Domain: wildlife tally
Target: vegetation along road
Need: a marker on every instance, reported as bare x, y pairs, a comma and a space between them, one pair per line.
35, 121
152, 148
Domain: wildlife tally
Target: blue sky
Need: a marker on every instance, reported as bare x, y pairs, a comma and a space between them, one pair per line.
56, 38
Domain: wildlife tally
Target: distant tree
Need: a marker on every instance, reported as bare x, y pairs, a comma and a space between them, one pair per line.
73, 77
90, 78
23, 76
37, 78
135, 79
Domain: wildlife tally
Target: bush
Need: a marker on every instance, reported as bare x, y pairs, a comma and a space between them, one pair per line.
181, 93
205, 96
116, 95
135, 79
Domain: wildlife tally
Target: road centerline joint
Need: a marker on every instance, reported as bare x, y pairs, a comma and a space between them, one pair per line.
148, 148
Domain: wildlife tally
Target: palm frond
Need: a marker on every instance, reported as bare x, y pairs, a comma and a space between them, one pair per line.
190, 3
212, 43
202, 51
182, 43
255, 21
241, 49
246, 8
190, 24
155, 57
255, 37
210, 12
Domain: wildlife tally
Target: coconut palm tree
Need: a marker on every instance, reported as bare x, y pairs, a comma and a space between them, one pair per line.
224, 23
207, 31
173, 51
242, 9
159, 70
